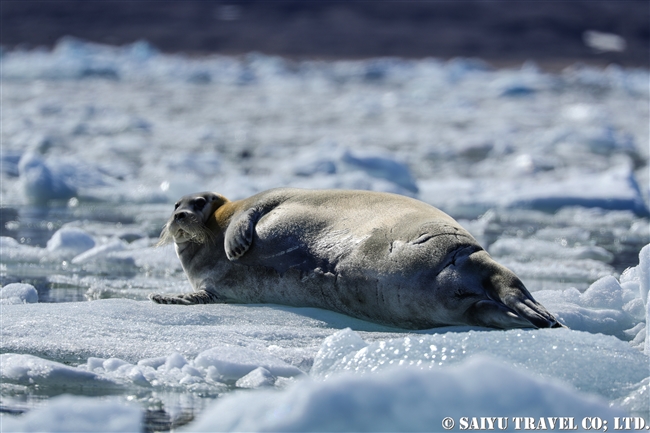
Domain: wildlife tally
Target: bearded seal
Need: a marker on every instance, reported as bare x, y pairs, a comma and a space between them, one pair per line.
380, 257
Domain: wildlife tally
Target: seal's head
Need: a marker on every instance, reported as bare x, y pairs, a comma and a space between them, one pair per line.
188, 221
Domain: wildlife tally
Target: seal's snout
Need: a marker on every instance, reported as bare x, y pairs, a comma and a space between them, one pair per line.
180, 216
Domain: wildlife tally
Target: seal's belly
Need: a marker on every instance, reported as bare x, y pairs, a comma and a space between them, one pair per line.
283, 242
353, 244
357, 261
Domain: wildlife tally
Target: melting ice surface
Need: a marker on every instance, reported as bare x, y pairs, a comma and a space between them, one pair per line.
548, 171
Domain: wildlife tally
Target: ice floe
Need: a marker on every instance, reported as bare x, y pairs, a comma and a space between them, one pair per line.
402, 400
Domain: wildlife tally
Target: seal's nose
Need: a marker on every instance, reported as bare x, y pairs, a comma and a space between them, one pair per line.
180, 215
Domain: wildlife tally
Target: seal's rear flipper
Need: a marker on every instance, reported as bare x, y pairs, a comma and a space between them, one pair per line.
505, 289
532, 310
493, 314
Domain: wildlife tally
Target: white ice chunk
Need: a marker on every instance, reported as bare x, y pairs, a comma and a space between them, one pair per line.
614, 189
637, 329
552, 353
336, 347
631, 290
588, 313
205, 164
639, 276
68, 413
594, 320
643, 271
153, 362
190, 371
635, 308
604, 293
100, 252
578, 272
176, 187
234, 362
113, 364
313, 163
531, 249
70, 241
18, 293
29, 370
149, 258
175, 360
121, 371
382, 167
14, 251
135, 375
401, 400
141, 330
647, 329
40, 184
94, 363
564, 235
638, 340
637, 401
260, 377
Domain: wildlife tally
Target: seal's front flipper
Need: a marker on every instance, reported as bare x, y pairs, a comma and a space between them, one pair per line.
239, 235
200, 297
493, 314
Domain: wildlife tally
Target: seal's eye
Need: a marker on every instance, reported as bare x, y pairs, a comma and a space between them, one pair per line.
199, 203
178, 203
